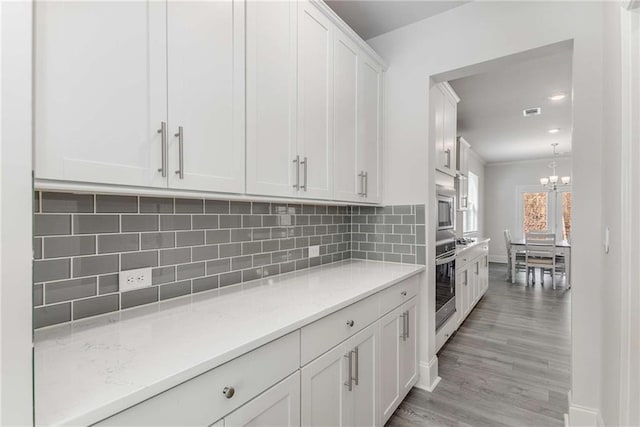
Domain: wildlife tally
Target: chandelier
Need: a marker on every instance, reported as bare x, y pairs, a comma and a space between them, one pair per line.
551, 182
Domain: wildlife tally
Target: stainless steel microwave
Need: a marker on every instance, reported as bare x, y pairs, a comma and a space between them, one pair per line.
446, 207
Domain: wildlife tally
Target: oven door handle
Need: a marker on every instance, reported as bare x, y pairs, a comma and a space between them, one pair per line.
440, 261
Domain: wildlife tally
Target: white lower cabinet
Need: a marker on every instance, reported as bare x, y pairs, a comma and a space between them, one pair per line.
398, 356
279, 406
356, 372
339, 388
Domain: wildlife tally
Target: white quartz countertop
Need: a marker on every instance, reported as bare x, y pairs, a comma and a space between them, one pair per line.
460, 249
88, 370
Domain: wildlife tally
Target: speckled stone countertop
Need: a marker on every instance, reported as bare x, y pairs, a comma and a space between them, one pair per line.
88, 370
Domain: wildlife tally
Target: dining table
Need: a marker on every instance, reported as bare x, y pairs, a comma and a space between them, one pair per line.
563, 248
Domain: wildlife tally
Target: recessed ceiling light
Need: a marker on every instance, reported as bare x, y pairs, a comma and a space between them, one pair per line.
558, 96
535, 111
554, 130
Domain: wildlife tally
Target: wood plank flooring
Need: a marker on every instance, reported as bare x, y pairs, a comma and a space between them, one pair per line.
508, 364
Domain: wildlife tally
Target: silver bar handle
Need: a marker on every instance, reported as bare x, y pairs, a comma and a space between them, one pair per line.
349, 357
305, 162
163, 141
361, 177
180, 136
296, 161
357, 367
366, 184
407, 329
448, 151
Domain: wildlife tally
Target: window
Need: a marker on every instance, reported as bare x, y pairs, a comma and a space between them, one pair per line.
566, 215
470, 217
534, 213
541, 210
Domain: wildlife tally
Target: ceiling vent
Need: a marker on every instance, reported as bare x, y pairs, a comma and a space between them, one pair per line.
528, 112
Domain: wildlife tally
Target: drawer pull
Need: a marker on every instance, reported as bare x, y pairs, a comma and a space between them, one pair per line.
350, 323
403, 293
229, 392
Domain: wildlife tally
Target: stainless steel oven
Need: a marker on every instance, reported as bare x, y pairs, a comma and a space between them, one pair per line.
446, 207
445, 279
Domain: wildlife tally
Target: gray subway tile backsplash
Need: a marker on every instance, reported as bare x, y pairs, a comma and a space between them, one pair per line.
67, 202
68, 290
94, 306
195, 245
52, 225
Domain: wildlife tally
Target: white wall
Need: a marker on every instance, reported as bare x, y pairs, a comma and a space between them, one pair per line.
16, 197
472, 34
501, 198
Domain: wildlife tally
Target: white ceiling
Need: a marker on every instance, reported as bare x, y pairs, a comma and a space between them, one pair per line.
490, 111
370, 18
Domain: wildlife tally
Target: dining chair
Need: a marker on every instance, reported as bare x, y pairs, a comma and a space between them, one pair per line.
540, 252
520, 258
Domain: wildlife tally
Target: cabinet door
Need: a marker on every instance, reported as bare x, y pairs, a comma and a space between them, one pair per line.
390, 330
347, 183
323, 390
206, 94
363, 398
315, 120
449, 134
271, 97
279, 406
370, 127
409, 347
437, 124
100, 91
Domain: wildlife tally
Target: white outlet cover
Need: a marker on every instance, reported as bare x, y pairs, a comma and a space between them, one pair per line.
314, 251
135, 279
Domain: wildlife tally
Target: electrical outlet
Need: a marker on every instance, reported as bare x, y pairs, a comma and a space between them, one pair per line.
314, 251
135, 279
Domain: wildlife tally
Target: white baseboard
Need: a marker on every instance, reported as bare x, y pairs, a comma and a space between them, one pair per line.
429, 378
500, 259
582, 416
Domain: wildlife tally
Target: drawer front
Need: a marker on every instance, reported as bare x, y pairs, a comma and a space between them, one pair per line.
472, 253
201, 400
398, 294
322, 335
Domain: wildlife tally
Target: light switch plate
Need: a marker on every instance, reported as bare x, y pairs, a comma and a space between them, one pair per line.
314, 251
135, 279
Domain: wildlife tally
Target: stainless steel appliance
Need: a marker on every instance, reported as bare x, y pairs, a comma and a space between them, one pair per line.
446, 208
445, 276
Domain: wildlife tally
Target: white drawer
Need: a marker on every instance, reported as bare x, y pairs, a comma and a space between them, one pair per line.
398, 294
322, 335
201, 401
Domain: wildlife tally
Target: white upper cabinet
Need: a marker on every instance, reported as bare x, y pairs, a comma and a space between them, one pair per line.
357, 115
271, 97
369, 129
345, 119
315, 60
100, 91
444, 105
206, 95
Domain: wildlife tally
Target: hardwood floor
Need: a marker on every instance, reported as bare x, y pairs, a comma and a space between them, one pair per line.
508, 364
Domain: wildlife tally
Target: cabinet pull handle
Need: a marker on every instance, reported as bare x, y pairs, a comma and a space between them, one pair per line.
408, 324
361, 176
296, 161
305, 162
163, 141
357, 367
366, 184
180, 136
349, 357
350, 323
403, 293
229, 392
448, 152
